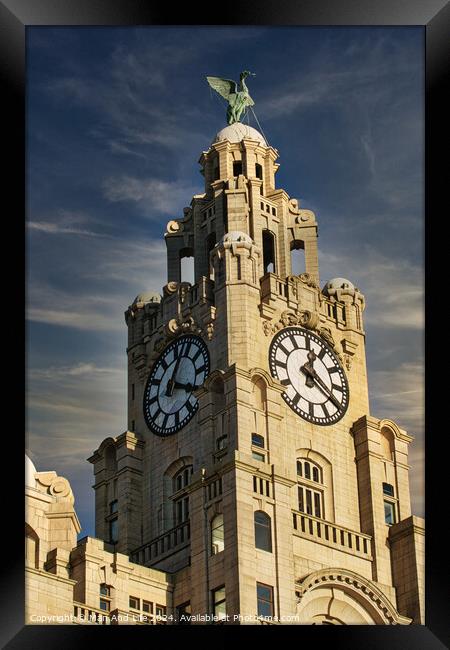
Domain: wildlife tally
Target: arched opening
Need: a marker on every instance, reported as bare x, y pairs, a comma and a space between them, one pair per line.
259, 393
259, 174
180, 499
263, 531
298, 262
110, 459
187, 265
210, 243
237, 167
268, 239
387, 443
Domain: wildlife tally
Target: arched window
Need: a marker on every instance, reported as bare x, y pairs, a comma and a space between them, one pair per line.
298, 265
217, 535
210, 243
310, 488
263, 531
259, 174
268, 240
180, 498
187, 265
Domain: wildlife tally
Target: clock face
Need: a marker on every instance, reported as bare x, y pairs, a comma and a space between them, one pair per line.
169, 402
315, 384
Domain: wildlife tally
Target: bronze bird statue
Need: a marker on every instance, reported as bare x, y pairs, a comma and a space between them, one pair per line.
238, 98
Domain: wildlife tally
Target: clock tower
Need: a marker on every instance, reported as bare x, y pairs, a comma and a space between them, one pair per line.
252, 471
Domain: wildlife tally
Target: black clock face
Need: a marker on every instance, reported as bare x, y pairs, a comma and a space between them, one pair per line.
316, 387
169, 402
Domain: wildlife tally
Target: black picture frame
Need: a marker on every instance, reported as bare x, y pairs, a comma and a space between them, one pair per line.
15, 16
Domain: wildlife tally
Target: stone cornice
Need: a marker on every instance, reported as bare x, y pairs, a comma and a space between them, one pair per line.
52, 576
412, 525
69, 514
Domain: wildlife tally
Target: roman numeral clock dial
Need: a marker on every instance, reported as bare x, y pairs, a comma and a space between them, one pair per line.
169, 400
316, 387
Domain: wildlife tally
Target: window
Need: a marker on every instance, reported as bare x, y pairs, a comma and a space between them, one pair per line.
237, 167
388, 489
210, 243
181, 503
147, 607
298, 264
114, 531
105, 598
187, 266
257, 440
184, 613
268, 241
132, 392
389, 513
134, 603
217, 535
310, 499
265, 600
219, 602
222, 442
263, 532
160, 612
257, 456
113, 506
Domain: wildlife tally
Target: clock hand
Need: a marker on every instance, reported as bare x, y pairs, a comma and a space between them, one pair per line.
171, 383
308, 368
188, 387
325, 389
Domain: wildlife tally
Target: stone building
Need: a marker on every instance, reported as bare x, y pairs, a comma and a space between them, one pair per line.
252, 484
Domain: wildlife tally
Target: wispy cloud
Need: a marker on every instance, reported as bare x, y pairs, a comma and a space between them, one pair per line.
152, 194
107, 280
56, 229
394, 289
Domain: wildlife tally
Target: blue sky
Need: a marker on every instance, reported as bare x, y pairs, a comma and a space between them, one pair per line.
116, 121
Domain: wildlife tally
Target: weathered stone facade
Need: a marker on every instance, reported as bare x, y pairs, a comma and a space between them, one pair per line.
182, 510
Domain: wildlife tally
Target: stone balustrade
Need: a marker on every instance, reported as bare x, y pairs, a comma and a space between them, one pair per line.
332, 535
162, 546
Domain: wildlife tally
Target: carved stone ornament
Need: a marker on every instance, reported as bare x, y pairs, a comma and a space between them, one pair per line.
304, 278
174, 226
57, 486
170, 288
179, 325
305, 318
209, 330
327, 336
308, 280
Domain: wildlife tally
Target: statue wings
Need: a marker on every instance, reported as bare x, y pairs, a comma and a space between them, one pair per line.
224, 87
228, 89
